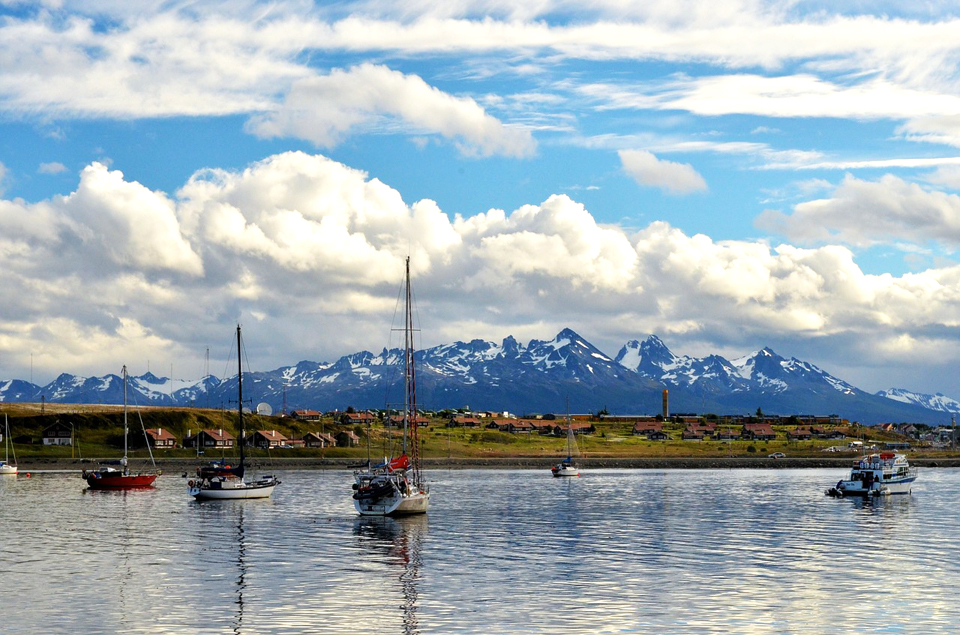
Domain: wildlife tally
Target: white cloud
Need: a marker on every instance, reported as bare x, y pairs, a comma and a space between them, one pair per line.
324, 109
647, 169
314, 250
864, 213
52, 168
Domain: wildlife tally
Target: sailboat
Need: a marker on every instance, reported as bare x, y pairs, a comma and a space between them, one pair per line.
122, 478
567, 467
228, 483
396, 486
5, 466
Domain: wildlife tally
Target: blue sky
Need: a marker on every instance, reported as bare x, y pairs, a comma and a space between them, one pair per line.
727, 177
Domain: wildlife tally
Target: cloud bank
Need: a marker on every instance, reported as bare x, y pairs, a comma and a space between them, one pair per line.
309, 253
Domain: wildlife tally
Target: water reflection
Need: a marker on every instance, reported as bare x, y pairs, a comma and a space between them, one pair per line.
242, 569
400, 540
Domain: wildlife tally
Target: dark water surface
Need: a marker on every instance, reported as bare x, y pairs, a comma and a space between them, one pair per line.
502, 551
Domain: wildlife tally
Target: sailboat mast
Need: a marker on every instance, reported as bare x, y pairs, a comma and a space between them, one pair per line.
240, 394
125, 429
410, 385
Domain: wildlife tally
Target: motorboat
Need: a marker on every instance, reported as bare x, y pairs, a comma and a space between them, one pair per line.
880, 474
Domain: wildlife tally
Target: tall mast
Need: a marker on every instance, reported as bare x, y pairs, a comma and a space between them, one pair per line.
125, 430
410, 384
240, 394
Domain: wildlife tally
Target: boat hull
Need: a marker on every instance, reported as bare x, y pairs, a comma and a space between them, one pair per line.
7, 469
856, 488
395, 505
130, 481
233, 489
564, 469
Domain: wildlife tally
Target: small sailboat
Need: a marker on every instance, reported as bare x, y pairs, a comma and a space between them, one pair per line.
396, 486
121, 478
567, 467
228, 483
5, 466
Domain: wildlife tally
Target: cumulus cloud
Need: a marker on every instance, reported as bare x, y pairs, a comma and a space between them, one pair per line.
647, 169
323, 109
863, 213
310, 251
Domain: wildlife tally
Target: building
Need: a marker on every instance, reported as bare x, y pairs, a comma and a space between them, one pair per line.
347, 439
266, 439
305, 415
357, 418
210, 438
161, 439
319, 440
58, 434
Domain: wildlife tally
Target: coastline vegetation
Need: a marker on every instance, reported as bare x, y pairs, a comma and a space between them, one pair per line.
97, 431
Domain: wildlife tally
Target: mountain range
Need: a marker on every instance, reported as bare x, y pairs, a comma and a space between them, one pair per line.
565, 373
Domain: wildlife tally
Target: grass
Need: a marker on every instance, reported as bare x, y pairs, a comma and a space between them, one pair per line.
98, 429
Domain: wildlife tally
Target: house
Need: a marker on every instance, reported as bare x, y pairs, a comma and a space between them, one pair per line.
58, 434
800, 434
693, 433
758, 432
357, 418
161, 439
347, 439
396, 421
726, 434
641, 428
542, 427
319, 440
520, 427
266, 439
209, 438
463, 422
578, 428
306, 415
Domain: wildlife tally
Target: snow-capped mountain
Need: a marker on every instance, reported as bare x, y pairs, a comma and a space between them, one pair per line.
542, 376
932, 402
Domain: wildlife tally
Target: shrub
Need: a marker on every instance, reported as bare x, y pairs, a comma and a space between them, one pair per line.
751, 448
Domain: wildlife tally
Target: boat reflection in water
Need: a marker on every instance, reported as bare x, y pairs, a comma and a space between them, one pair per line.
401, 541
242, 568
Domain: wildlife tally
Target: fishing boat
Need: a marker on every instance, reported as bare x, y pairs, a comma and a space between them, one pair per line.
109, 477
227, 483
396, 486
5, 466
880, 474
567, 467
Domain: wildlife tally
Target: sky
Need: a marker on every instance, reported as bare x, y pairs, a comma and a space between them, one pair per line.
727, 176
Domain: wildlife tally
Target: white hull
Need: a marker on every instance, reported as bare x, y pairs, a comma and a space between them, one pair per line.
232, 489
396, 505
6, 468
882, 474
570, 471
855, 488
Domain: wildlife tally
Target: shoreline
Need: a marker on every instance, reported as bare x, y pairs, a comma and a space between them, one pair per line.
174, 465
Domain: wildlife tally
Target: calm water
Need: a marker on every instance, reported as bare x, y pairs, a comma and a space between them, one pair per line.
616, 551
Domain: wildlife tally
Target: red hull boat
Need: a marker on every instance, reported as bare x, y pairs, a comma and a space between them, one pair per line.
115, 479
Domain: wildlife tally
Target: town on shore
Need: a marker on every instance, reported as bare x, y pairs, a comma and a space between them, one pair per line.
55, 432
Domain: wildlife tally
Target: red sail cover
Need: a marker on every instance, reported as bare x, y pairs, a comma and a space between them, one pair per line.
400, 463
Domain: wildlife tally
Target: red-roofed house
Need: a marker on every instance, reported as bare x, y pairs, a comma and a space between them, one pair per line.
160, 438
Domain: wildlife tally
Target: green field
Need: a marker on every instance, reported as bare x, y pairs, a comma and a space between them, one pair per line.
98, 433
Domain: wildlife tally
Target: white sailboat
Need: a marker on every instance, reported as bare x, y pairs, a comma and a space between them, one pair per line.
396, 487
5, 466
567, 467
230, 484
